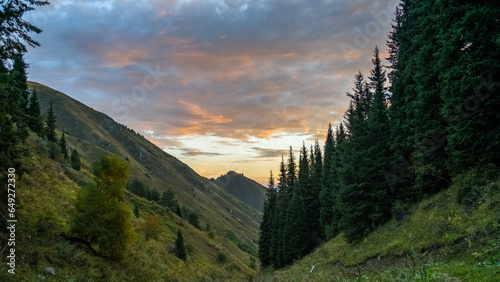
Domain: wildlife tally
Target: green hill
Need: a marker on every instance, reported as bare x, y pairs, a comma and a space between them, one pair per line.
222, 247
245, 189
437, 239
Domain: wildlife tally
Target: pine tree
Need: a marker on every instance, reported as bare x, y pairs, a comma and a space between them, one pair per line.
469, 61
50, 128
378, 145
19, 77
35, 118
64, 146
266, 226
13, 27
313, 208
354, 201
136, 211
291, 176
180, 249
295, 232
327, 194
75, 160
278, 219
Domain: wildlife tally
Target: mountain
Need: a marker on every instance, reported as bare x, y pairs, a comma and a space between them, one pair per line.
222, 246
245, 189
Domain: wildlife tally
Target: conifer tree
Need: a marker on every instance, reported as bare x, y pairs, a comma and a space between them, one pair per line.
136, 211
75, 160
64, 146
266, 226
378, 145
327, 195
313, 208
180, 249
19, 78
291, 176
278, 219
303, 174
295, 232
355, 203
14, 28
50, 127
35, 118
469, 71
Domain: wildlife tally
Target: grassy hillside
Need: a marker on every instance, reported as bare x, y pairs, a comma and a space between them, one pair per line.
435, 240
223, 248
245, 189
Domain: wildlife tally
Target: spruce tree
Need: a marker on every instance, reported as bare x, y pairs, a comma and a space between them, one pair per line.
469, 61
327, 195
14, 28
50, 127
64, 146
295, 231
19, 77
278, 219
180, 249
136, 211
378, 145
355, 202
266, 226
313, 207
35, 118
75, 160
291, 176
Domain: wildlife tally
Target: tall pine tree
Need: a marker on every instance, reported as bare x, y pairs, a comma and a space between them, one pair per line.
50, 127
180, 249
267, 226
35, 118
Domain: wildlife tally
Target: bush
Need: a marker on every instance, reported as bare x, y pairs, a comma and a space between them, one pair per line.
474, 187
101, 216
152, 227
221, 257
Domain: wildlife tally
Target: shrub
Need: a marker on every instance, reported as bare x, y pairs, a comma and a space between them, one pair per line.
221, 257
101, 216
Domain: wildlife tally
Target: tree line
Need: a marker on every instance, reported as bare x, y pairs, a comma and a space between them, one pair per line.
409, 130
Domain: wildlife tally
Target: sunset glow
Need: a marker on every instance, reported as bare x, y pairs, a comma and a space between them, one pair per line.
221, 85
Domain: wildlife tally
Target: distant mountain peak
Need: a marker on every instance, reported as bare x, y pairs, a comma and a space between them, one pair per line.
244, 188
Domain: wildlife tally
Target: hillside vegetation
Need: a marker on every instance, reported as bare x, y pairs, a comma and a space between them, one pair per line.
436, 240
245, 189
221, 245
411, 172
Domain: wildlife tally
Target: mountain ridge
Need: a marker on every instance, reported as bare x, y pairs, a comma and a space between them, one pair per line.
228, 228
244, 188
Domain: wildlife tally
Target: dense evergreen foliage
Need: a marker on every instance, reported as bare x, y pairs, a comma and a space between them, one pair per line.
75, 160
180, 249
399, 142
50, 124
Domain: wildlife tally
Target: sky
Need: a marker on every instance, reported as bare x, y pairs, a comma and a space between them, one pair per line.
221, 85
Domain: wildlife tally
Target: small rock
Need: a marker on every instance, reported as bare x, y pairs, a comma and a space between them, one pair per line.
40, 277
50, 270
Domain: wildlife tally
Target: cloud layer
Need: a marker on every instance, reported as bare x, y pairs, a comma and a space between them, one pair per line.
236, 69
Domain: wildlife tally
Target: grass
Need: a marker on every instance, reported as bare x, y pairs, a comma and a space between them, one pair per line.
45, 197
440, 240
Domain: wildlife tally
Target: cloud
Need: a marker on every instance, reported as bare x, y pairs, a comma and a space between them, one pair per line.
192, 152
234, 68
269, 153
